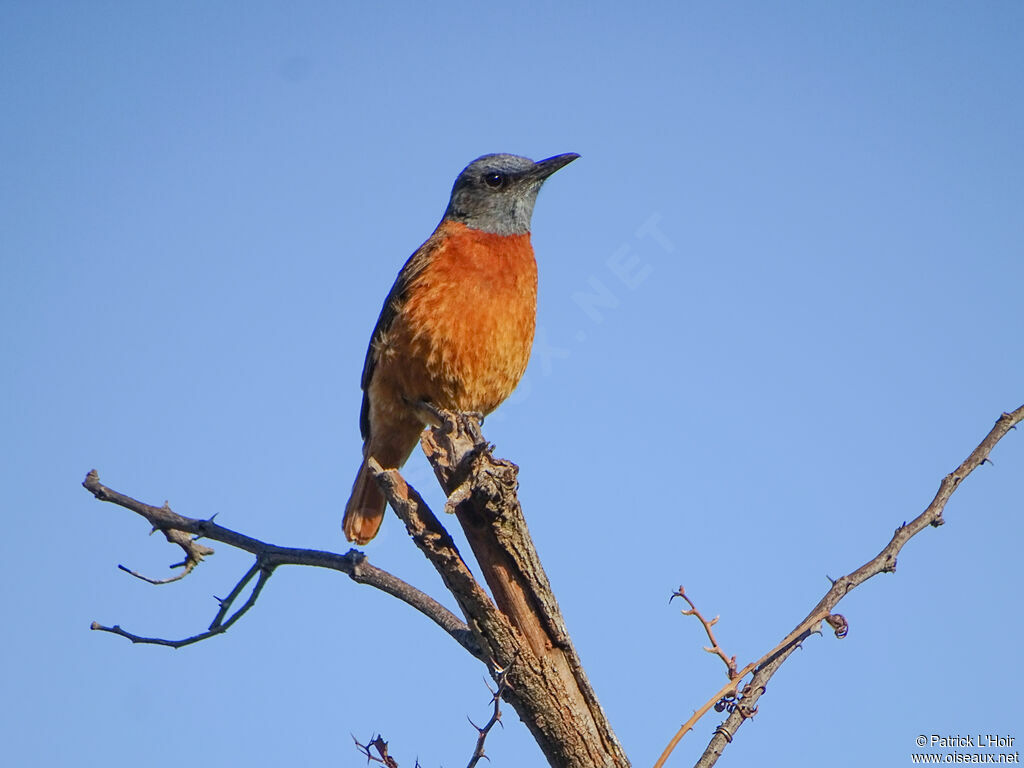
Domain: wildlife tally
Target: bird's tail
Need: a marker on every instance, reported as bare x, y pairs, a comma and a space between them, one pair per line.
365, 509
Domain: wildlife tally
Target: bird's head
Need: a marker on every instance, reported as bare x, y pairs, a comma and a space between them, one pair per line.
496, 193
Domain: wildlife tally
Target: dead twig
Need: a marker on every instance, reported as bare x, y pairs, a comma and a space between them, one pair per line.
157, 582
185, 531
218, 626
501, 678
730, 689
382, 755
716, 649
547, 686
883, 562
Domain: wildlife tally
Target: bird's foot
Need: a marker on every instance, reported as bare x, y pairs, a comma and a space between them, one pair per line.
433, 416
427, 412
477, 416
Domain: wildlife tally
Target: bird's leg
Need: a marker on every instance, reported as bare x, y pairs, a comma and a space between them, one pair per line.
458, 436
427, 412
433, 416
477, 416
471, 423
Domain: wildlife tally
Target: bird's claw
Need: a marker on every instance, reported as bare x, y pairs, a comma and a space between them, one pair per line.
429, 413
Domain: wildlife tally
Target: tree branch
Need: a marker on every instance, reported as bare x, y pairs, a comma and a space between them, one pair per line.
218, 626
382, 755
501, 678
883, 562
184, 531
548, 687
729, 691
716, 649
520, 635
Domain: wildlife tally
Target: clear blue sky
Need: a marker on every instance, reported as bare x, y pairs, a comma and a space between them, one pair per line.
202, 207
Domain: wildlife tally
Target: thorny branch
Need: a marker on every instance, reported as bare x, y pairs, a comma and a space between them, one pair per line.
548, 687
382, 755
729, 692
384, 758
745, 704
218, 625
488, 635
501, 677
716, 649
185, 531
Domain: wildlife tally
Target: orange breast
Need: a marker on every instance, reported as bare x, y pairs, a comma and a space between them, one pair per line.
464, 335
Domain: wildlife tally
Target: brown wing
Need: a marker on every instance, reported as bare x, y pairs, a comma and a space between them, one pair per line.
392, 306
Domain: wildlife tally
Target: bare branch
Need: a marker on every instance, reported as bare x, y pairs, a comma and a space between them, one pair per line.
522, 629
730, 690
157, 582
435, 542
218, 626
384, 758
547, 686
716, 649
883, 562
353, 563
501, 677
482, 493
382, 755
524, 632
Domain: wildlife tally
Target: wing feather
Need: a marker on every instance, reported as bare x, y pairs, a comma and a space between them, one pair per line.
392, 307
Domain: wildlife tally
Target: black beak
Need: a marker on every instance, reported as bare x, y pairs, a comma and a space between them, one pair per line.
544, 168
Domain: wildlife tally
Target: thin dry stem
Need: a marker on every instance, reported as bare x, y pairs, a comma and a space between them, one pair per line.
883, 562
731, 688
501, 678
156, 582
382, 755
184, 531
217, 627
715, 649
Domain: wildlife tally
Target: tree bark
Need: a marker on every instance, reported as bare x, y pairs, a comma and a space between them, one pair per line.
521, 634
546, 683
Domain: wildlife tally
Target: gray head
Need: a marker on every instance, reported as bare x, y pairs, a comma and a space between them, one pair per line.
496, 193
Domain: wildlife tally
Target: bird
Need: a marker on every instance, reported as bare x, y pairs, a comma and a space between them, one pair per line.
456, 329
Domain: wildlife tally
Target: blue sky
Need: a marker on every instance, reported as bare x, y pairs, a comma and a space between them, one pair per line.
805, 223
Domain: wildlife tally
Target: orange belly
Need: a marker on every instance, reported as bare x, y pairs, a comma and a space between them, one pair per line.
462, 339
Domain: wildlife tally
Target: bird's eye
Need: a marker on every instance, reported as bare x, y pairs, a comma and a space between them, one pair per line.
495, 180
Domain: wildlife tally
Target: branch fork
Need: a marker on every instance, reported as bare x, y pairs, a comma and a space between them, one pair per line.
883, 562
519, 633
